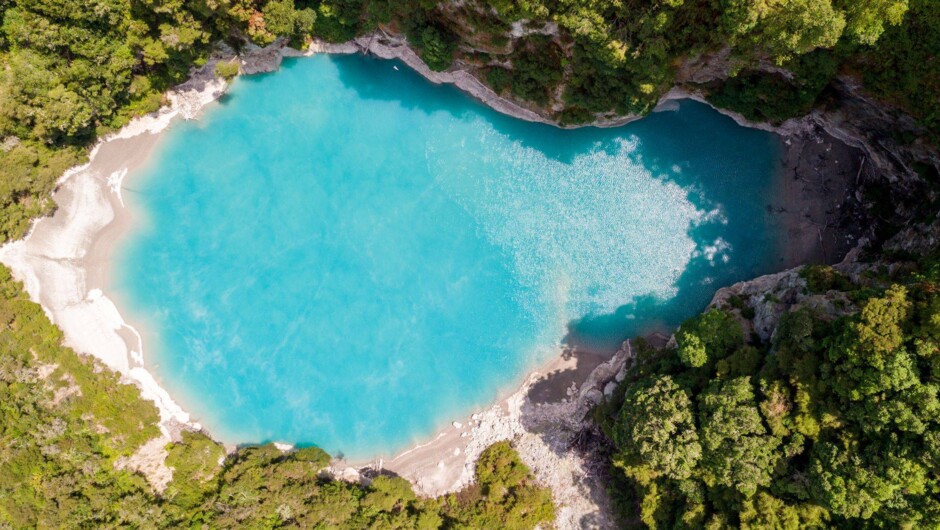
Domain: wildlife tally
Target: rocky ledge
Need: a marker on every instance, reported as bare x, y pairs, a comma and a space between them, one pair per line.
852, 171
768, 298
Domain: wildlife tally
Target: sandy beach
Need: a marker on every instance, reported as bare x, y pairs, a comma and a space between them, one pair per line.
65, 261
544, 430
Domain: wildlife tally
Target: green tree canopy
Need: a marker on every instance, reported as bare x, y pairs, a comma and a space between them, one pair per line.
738, 451
656, 429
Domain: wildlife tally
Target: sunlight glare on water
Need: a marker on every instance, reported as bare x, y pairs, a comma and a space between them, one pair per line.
343, 254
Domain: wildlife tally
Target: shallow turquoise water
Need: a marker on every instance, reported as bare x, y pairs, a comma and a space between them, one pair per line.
343, 254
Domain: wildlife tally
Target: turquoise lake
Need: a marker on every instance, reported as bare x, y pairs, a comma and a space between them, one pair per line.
343, 254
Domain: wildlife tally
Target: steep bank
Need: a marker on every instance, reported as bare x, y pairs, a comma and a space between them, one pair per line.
822, 209
870, 138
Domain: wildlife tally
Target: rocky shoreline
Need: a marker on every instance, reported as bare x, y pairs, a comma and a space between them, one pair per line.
544, 433
826, 205
848, 120
831, 159
822, 209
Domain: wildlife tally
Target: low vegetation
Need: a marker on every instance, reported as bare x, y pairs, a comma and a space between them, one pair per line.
836, 423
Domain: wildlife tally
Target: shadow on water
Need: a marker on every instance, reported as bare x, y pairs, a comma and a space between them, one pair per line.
377, 79
393, 81
707, 141
593, 339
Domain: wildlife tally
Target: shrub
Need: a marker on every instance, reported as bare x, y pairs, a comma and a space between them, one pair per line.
437, 48
227, 69
822, 278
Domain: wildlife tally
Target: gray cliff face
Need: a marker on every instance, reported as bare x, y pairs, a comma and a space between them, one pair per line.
890, 187
892, 173
917, 239
891, 170
775, 295
896, 156
889, 164
894, 165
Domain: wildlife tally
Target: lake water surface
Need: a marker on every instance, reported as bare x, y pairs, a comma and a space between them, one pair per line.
343, 254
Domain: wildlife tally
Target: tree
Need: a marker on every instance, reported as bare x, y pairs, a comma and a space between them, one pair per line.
691, 350
337, 20
764, 511
437, 48
867, 19
738, 452
843, 482
499, 469
536, 69
305, 21
280, 17
656, 429
716, 335
784, 29
869, 355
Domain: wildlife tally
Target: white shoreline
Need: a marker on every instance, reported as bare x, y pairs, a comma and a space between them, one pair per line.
64, 268
55, 260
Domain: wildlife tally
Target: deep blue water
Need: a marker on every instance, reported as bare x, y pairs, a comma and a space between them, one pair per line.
344, 254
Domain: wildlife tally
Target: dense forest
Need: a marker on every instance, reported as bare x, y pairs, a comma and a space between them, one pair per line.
832, 423
835, 422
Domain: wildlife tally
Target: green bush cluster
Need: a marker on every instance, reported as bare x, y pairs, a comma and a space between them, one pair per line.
536, 69
337, 20
436, 46
264, 487
774, 98
896, 60
65, 420
822, 278
226, 69
834, 424
903, 67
